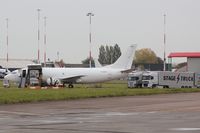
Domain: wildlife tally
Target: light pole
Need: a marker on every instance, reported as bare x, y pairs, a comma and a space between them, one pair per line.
45, 40
164, 39
90, 37
7, 38
38, 10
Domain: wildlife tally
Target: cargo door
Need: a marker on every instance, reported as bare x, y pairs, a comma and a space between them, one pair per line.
23, 79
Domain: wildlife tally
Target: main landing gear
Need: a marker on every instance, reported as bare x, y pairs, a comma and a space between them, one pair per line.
70, 86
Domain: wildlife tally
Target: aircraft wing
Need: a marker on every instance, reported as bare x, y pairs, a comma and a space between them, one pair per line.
72, 79
127, 71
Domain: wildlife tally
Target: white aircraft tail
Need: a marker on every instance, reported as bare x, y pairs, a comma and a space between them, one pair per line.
126, 59
97, 63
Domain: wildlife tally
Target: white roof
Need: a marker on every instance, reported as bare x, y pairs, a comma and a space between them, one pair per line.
15, 63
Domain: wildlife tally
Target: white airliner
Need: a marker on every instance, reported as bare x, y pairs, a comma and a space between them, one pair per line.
3, 72
70, 76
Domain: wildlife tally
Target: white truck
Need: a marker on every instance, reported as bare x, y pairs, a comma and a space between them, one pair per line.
169, 79
135, 79
150, 79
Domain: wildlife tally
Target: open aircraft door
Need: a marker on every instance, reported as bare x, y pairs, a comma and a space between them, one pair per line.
23, 78
34, 75
31, 76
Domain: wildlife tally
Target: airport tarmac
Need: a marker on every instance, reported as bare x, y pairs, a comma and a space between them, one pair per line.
168, 113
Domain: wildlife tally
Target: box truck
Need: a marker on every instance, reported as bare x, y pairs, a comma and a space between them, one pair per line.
168, 79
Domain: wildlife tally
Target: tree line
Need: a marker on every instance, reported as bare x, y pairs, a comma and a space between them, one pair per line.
109, 54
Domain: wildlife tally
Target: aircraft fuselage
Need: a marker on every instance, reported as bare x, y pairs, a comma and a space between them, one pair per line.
88, 75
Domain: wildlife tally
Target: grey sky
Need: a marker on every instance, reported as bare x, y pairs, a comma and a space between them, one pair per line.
123, 22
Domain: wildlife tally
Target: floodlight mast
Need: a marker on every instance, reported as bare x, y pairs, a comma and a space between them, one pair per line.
90, 37
38, 60
7, 39
45, 39
164, 39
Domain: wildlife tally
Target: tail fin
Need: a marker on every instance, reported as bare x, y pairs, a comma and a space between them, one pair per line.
97, 63
126, 59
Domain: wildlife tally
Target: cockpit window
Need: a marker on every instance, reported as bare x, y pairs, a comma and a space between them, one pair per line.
147, 77
133, 78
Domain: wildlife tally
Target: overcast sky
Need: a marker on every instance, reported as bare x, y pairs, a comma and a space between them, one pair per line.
124, 22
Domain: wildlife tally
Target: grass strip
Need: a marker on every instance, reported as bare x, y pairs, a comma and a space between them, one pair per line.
16, 95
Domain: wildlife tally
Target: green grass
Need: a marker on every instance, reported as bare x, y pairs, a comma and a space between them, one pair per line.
110, 89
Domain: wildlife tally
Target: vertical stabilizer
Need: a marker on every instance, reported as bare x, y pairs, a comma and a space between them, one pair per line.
97, 63
126, 59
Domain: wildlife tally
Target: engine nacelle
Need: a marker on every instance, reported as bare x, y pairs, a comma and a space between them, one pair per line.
53, 82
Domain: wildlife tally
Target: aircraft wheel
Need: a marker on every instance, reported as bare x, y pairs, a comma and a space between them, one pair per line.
154, 86
70, 86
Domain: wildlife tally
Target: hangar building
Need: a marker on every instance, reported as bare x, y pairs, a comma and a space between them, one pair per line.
193, 60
